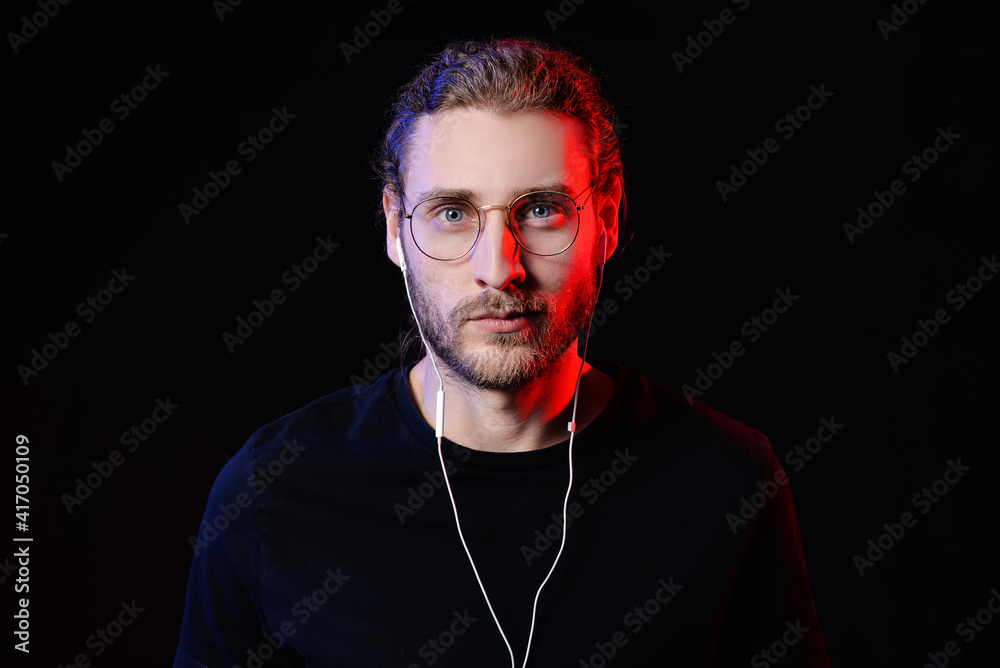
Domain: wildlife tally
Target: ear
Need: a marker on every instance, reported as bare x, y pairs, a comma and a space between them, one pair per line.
607, 216
393, 219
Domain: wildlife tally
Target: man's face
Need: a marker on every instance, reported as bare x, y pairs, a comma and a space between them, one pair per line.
499, 316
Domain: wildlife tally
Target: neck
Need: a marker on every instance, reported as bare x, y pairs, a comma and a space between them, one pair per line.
528, 418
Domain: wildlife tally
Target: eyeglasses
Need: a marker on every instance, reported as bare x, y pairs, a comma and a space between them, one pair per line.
543, 223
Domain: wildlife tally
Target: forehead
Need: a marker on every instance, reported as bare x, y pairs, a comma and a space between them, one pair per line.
495, 155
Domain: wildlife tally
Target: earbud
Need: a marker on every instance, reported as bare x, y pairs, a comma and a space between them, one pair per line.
604, 246
399, 252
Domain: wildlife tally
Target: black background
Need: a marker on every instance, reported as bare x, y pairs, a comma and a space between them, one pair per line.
826, 357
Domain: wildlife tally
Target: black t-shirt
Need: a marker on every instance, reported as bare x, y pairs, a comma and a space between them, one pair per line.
329, 540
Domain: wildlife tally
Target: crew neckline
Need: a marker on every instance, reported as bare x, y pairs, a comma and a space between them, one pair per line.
510, 461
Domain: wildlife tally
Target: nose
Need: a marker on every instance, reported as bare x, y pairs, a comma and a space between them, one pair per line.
497, 255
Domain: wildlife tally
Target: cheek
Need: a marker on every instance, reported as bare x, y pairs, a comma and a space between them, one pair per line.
586, 260
441, 285
569, 280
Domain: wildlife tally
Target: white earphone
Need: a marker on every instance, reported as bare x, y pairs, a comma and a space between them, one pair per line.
399, 253
439, 432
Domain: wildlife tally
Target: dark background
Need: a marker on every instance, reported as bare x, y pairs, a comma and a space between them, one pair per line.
826, 357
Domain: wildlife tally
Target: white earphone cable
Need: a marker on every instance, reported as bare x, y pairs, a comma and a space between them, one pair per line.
439, 430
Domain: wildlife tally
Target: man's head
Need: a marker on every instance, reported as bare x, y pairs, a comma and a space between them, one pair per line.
504, 77
491, 122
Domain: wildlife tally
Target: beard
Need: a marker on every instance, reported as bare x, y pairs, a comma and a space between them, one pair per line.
510, 360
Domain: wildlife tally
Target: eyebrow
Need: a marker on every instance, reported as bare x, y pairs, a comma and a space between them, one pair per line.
473, 196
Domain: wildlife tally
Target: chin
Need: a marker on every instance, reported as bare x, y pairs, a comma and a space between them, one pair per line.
504, 367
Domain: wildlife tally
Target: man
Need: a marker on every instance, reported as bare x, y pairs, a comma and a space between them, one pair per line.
547, 511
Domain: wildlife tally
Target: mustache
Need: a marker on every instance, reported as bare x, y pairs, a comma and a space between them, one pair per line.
508, 301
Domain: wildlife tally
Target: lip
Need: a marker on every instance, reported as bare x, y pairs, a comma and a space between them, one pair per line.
500, 322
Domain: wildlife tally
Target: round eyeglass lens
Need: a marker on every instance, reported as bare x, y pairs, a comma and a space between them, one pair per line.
545, 223
445, 228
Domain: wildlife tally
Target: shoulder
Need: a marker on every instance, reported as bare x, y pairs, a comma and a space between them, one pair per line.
687, 423
352, 419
